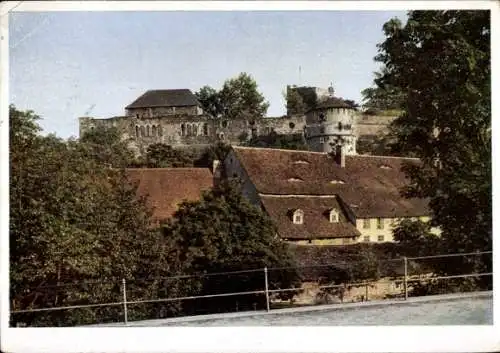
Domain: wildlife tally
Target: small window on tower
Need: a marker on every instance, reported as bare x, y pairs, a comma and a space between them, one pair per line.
321, 140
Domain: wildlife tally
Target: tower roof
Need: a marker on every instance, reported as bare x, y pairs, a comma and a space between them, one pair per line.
334, 102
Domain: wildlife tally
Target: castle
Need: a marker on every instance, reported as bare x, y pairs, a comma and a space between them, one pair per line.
175, 117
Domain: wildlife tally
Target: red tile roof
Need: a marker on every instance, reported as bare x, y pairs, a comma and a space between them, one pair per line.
316, 221
369, 185
165, 188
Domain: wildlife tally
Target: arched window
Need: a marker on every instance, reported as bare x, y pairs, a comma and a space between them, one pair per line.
136, 131
205, 129
148, 131
183, 129
154, 130
298, 217
143, 131
340, 126
334, 216
195, 130
189, 131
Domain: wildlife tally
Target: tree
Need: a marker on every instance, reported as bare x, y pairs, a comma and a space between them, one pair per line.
224, 232
294, 102
217, 151
160, 155
441, 61
239, 98
71, 220
210, 101
383, 98
106, 146
274, 140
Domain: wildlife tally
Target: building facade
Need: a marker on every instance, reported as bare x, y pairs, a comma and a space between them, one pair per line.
319, 199
175, 117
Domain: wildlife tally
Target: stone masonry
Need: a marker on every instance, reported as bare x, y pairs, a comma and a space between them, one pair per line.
174, 117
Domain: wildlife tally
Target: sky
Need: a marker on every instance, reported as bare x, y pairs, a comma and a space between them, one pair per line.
64, 65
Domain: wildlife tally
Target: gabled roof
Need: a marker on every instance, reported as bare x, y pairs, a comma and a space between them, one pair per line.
165, 188
316, 222
369, 185
165, 98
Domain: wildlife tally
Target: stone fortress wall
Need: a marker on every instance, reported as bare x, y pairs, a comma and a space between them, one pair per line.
188, 126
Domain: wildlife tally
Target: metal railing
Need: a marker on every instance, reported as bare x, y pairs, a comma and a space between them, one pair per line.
407, 279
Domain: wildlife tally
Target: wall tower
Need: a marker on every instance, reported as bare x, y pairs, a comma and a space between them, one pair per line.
331, 124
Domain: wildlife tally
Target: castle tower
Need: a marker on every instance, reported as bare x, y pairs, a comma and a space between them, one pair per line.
331, 124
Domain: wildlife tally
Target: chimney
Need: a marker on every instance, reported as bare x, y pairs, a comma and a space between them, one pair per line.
340, 156
216, 169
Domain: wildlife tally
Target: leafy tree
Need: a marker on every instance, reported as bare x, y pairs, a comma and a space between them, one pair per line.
73, 219
441, 61
217, 151
224, 232
294, 102
210, 101
106, 146
383, 98
274, 140
239, 98
160, 155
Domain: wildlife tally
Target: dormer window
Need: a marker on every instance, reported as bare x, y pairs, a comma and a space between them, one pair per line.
300, 161
334, 216
298, 217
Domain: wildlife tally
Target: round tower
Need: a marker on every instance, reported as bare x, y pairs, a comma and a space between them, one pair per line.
331, 124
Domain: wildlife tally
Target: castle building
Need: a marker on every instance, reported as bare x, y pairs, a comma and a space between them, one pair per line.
175, 117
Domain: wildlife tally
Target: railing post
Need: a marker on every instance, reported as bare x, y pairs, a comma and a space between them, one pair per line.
267, 288
406, 277
125, 301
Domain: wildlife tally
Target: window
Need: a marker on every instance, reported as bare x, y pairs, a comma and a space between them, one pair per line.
366, 238
183, 129
366, 223
321, 117
160, 132
205, 129
143, 131
189, 129
148, 131
154, 130
137, 131
340, 126
195, 130
380, 223
224, 123
334, 216
298, 217
291, 125
321, 140
380, 238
